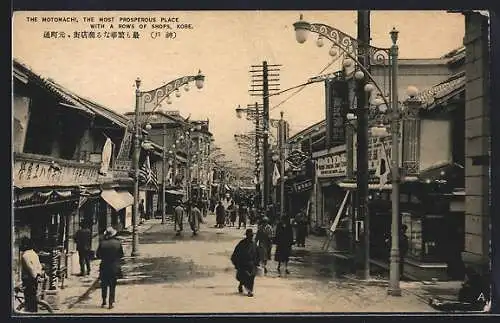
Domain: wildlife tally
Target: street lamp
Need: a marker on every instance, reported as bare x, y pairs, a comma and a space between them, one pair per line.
149, 101
366, 53
396, 113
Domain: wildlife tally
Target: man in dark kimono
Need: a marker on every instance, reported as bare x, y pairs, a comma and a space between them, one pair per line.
83, 239
220, 215
245, 259
301, 220
110, 251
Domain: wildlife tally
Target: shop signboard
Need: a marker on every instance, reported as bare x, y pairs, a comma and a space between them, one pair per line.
332, 165
302, 186
297, 160
33, 171
337, 103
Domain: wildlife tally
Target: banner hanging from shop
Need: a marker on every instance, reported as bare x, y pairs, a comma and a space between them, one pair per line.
374, 151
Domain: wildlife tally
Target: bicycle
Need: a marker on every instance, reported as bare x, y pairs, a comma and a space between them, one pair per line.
19, 303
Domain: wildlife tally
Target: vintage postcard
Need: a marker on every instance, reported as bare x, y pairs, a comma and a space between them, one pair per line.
177, 162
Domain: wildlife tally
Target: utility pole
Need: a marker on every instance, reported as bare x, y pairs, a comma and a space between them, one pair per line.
164, 173
257, 158
281, 141
261, 85
362, 137
265, 93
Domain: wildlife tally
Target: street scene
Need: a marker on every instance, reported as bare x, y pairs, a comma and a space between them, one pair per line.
164, 166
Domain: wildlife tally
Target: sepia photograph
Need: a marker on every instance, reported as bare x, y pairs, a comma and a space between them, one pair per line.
250, 162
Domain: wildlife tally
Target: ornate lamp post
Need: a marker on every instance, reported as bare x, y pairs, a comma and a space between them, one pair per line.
149, 101
350, 47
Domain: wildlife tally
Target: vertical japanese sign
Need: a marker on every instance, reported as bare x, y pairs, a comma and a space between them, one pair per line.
337, 103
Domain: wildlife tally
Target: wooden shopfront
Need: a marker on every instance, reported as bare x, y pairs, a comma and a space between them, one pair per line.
47, 192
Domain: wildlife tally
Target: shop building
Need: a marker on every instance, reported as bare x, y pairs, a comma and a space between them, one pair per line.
432, 191
167, 127
477, 251
63, 147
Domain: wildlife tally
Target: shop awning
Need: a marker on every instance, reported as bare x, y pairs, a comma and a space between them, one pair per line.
175, 192
117, 199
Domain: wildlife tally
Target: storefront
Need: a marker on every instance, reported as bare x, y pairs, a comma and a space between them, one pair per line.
435, 225
331, 168
45, 217
47, 192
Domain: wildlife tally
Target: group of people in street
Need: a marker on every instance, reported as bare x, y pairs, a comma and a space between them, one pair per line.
250, 255
227, 212
194, 214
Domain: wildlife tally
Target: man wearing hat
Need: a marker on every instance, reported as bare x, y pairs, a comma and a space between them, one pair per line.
110, 251
245, 259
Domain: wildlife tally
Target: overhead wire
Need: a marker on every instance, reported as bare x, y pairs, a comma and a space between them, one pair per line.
302, 87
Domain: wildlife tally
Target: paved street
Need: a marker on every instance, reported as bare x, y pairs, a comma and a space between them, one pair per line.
194, 275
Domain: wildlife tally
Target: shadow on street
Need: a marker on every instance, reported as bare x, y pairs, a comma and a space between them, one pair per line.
322, 265
160, 270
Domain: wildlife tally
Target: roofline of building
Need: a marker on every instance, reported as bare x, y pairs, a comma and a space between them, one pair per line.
93, 106
308, 129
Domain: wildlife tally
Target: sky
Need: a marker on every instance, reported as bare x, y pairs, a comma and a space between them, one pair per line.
223, 45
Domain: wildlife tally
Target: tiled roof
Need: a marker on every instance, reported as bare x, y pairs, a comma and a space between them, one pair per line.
430, 96
72, 98
117, 118
50, 86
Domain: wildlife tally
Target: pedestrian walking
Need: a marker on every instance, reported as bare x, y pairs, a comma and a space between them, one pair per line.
142, 211
245, 259
83, 240
226, 202
195, 218
220, 215
263, 239
252, 215
110, 251
232, 213
284, 242
204, 205
179, 218
31, 272
213, 204
242, 216
301, 225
